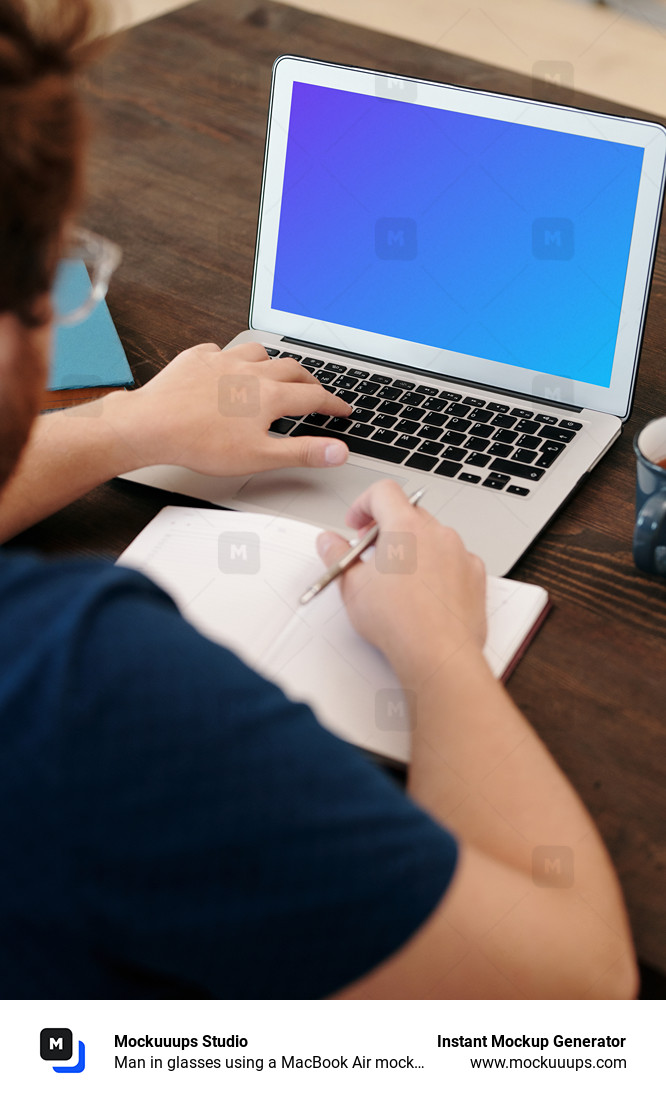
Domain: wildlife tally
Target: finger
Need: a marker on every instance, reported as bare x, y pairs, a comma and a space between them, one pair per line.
297, 399
305, 451
207, 349
331, 547
253, 352
287, 370
383, 502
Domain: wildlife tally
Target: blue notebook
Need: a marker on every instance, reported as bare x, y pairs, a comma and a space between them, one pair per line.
89, 354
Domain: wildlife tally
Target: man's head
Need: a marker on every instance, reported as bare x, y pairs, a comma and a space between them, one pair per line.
43, 44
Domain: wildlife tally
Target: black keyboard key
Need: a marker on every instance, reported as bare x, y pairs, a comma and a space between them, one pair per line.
456, 454
550, 447
473, 478
473, 401
367, 387
560, 435
477, 459
435, 404
390, 407
459, 424
523, 455
340, 423
447, 468
355, 373
541, 418
292, 355
457, 409
523, 413
544, 461
368, 447
383, 435
407, 441
515, 469
474, 444
528, 426
529, 441
311, 362
495, 482
448, 396
421, 462
409, 427
344, 394
503, 421
390, 393
505, 436
282, 425
482, 431
494, 406
410, 413
315, 418
456, 438
402, 384
428, 431
366, 402
325, 376
436, 419
481, 416
345, 382
361, 429
276, 351
518, 490
412, 398
572, 425
429, 447
383, 421
362, 415
502, 450
335, 367
383, 379
429, 390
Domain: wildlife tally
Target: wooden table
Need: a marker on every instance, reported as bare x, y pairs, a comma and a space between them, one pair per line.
174, 178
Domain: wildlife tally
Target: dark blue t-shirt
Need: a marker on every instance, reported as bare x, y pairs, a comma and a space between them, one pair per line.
171, 825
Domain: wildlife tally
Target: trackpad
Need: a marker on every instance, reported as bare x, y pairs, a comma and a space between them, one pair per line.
317, 496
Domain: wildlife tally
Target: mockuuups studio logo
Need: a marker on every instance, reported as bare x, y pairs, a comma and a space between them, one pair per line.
239, 552
553, 865
56, 1045
552, 238
395, 710
395, 239
394, 87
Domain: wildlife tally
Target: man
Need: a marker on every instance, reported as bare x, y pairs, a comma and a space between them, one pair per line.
168, 818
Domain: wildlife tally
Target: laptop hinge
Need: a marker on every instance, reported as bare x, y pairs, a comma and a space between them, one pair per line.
465, 382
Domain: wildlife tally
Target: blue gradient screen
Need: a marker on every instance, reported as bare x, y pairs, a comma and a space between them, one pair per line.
494, 239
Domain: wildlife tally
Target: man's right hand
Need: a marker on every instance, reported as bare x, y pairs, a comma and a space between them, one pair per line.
419, 596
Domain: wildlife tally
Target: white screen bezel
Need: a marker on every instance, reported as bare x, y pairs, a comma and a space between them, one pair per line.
616, 398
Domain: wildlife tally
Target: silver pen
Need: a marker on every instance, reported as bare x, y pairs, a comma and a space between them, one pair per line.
350, 557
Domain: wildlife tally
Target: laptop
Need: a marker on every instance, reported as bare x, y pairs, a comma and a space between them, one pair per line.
471, 271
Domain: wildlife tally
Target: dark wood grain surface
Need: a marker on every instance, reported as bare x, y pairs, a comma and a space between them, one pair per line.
180, 108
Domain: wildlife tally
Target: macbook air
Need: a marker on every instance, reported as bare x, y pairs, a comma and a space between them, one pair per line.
471, 272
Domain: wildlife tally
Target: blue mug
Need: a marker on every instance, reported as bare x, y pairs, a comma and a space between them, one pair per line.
650, 527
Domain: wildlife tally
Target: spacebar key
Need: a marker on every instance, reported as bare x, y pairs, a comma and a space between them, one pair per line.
356, 443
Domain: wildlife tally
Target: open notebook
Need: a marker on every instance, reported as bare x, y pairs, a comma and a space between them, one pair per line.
238, 578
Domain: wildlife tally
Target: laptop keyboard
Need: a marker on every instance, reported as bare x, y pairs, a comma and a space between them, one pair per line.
488, 443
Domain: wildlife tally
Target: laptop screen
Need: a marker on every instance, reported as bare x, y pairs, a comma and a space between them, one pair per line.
461, 233
456, 231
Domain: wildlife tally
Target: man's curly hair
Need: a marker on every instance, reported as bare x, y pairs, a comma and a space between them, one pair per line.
43, 45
